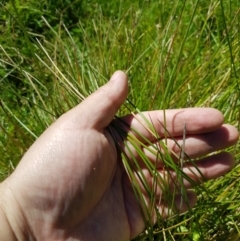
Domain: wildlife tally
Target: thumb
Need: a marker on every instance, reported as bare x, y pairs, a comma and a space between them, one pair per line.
98, 110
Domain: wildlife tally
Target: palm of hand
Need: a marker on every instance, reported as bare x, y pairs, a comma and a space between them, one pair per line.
82, 193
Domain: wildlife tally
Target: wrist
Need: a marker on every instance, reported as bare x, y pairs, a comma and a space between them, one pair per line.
6, 232
13, 226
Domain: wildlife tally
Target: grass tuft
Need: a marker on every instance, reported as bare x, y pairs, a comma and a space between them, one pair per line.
176, 53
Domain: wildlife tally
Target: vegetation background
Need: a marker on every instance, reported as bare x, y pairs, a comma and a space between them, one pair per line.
182, 53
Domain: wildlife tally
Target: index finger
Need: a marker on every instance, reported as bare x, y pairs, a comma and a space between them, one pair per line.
196, 120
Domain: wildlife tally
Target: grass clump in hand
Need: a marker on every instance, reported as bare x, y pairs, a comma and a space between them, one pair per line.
180, 54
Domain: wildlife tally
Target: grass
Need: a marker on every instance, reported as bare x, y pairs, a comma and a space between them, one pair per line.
177, 54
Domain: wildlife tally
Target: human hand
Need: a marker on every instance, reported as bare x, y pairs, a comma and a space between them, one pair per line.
71, 185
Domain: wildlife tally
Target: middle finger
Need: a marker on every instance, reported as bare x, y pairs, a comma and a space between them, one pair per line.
195, 146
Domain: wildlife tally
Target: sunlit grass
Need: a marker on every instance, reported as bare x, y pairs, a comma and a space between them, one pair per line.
176, 54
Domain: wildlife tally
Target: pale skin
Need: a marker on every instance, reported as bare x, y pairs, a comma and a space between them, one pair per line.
71, 185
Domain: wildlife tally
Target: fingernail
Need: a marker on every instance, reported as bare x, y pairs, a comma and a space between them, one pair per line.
116, 75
